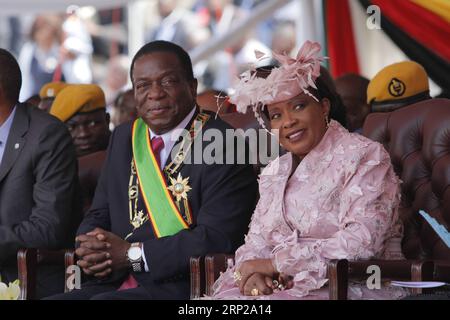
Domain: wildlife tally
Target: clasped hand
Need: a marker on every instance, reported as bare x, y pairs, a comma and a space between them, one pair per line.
260, 276
101, 252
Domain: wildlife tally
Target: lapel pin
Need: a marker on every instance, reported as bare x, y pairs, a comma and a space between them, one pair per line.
16, 146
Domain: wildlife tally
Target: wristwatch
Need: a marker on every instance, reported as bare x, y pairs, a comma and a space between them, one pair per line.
134, 256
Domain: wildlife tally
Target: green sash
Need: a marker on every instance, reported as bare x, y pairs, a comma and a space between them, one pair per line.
163, 213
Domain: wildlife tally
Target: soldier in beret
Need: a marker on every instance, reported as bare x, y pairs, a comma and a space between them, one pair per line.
48, 94
398, 85
82, 108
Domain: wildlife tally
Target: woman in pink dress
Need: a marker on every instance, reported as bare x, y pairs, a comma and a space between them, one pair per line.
334, 195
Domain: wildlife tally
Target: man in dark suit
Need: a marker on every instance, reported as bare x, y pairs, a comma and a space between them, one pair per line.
38, 178
137, 238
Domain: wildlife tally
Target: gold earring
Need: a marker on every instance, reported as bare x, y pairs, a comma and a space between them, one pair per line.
327, 121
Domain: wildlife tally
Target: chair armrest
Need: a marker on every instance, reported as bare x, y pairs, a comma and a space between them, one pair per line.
337, 273
413, 270
30, 258
197, 276
69, 260
442, 270
214, 265
26, 268
204, 271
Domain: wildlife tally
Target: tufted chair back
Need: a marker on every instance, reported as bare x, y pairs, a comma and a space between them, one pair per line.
417, 138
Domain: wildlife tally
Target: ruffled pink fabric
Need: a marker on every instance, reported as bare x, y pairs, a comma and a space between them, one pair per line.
341, 202
293, 77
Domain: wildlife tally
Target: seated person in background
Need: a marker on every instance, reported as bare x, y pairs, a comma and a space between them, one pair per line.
123, 108
38, 182
334, 195
82, 108
353, 91
48, 93
398, 85
138, 236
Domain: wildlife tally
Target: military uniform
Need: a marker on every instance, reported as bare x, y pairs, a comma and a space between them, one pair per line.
398, 85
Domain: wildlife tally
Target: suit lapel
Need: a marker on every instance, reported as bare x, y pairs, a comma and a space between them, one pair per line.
16, 140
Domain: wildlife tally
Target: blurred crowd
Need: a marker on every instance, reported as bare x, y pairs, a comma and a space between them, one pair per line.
86, 45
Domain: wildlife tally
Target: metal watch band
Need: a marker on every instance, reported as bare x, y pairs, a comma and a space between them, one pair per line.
137, 266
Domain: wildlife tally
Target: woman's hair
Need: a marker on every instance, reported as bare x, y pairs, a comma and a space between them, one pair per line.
51, 20
337, 108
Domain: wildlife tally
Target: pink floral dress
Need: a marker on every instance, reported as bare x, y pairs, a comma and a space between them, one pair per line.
341, 202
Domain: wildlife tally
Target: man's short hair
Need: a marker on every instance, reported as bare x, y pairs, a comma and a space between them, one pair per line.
10, 76
166, 46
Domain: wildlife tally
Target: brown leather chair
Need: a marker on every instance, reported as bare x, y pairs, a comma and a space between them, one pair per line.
247, 121
215, 101
417, 138
238, 120
28, 260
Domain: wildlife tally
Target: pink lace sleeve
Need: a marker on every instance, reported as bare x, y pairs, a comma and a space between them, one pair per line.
255, 245
368, 212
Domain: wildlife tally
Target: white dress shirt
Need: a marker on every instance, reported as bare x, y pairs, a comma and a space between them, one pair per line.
5, 128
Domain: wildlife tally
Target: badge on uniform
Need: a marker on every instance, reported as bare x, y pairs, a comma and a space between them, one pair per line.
179, 187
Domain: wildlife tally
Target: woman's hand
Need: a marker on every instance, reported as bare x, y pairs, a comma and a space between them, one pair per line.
283, 282
246, 269
257, 284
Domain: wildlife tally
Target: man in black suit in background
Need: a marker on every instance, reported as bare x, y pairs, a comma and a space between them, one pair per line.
38, 181
137, 237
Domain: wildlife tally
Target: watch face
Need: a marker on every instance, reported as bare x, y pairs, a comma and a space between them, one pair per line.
134, 253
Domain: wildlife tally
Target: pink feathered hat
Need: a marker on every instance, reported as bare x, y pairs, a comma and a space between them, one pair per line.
291, 78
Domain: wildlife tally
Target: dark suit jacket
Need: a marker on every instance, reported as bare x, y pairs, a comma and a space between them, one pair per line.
222, 199
38, 185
